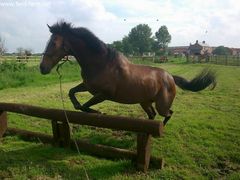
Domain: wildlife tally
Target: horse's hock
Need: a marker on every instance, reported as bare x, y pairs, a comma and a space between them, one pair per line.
145, 129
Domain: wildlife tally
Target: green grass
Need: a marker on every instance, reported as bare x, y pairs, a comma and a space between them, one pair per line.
201, 141
15, 74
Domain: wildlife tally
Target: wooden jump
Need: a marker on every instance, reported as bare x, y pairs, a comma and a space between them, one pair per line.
61, 132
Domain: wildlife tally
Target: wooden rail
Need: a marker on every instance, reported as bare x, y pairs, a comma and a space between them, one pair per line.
61, 131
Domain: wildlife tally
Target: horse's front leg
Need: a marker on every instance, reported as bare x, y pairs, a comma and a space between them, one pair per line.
79, 88
97, 98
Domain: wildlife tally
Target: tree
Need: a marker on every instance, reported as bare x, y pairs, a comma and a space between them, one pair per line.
163, 37
20, 51
123, 46
155, 46
140, 38
221, 50
118, 45
24, 52
2, 46
127, 46
28, 52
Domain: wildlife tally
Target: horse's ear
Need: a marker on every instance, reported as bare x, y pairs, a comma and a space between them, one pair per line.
49, 27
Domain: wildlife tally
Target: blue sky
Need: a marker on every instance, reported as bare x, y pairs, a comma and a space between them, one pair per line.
23, 22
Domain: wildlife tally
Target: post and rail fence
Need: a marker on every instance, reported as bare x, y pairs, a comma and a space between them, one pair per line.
226, 60
213, 59
145, 129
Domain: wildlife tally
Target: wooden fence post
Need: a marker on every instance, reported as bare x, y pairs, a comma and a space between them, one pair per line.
143, 151
3, 123
61, 134
226, 60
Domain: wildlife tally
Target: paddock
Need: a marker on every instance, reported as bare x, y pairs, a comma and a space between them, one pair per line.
61, 137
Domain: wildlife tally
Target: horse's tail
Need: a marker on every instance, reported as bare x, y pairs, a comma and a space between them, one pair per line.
204, 79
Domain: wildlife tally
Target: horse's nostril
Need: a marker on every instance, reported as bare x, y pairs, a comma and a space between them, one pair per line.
43, 70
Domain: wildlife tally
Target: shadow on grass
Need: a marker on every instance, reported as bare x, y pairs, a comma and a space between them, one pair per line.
34, 160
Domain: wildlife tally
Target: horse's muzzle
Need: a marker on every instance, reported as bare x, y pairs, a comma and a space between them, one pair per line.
44, 70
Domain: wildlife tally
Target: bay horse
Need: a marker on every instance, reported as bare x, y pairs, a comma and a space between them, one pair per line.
108, 75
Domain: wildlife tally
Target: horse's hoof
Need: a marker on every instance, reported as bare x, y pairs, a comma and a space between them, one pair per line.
88, 110
94, 111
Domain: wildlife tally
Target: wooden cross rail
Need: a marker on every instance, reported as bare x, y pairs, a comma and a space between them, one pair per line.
61, 131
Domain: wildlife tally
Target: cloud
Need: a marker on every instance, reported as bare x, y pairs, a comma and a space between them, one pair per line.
91, 14
186, 20
24, 24
81, 11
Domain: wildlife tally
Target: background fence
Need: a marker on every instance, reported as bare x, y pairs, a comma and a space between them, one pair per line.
219, 59
20, 58
29, 60
225, 60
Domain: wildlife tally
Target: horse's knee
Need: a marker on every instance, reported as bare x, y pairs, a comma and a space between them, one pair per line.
71, 92
73, 99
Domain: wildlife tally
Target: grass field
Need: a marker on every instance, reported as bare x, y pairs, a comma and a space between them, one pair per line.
201, 141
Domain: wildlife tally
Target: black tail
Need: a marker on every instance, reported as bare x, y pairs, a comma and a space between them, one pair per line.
200, 82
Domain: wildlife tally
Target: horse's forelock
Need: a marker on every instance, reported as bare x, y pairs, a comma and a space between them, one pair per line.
60, 28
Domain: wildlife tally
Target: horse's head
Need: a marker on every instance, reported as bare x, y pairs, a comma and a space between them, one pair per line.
55, 50
67, 40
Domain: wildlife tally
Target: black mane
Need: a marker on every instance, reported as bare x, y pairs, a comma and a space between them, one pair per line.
61, 28
67, 30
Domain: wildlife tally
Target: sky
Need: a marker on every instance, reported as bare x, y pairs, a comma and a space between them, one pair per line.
23, 23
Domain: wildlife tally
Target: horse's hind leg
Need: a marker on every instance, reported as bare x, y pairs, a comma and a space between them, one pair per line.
163, 105
147, 107
79, 88
167, 118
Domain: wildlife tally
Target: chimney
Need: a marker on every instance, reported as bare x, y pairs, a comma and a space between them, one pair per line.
203, 42
196, 41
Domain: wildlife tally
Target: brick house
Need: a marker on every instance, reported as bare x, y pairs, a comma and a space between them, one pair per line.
235, 51
199, 48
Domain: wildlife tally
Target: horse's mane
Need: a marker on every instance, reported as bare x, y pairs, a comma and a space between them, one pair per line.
61, 28
93, 42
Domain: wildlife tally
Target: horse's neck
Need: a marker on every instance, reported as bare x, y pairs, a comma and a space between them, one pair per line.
90, 70
91, 63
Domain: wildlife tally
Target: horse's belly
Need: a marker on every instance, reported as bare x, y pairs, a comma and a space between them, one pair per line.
128, 100
133, 95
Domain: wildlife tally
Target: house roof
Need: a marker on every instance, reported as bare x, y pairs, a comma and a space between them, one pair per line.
203, 44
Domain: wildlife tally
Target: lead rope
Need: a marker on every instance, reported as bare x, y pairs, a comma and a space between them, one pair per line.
64, 110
